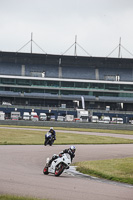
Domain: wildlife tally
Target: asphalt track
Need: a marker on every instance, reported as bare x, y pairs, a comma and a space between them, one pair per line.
21, 173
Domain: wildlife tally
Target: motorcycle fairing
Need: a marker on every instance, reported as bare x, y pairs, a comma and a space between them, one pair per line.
65, 159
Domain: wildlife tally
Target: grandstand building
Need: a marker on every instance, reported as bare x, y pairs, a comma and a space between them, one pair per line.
53, 80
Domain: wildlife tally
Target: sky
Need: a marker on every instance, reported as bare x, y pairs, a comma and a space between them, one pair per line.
94, 27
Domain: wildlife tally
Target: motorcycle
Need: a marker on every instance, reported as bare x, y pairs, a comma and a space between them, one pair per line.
58, 165
49, 140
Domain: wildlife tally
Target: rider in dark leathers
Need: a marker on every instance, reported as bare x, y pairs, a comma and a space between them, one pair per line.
53, 133
70, 151
53, 136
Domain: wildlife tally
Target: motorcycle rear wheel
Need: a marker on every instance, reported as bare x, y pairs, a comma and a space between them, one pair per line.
59, 169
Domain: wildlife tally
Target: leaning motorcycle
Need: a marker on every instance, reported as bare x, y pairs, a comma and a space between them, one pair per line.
49, 140
58, 165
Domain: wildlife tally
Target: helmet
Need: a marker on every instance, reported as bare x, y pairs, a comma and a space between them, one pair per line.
73, 149
51, 129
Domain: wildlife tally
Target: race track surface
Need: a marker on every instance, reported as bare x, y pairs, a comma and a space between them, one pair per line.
21, 173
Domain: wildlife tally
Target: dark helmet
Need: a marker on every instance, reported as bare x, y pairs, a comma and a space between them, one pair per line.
51, 129
73, 149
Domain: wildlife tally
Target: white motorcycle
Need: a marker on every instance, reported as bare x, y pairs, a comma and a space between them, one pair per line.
58, 165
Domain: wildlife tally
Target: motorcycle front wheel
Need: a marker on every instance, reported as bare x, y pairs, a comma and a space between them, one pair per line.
59, 169
45, 171
51, 142
46, 142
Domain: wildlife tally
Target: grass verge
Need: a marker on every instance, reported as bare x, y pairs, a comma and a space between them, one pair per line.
11, 197
124, 132
120, 170
36, 137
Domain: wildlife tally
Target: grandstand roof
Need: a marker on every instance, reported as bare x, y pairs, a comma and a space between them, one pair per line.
64, 60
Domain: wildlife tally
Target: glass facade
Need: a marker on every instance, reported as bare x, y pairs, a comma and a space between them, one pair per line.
62, 87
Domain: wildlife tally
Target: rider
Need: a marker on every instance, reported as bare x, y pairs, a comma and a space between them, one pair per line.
70, 151
53, 133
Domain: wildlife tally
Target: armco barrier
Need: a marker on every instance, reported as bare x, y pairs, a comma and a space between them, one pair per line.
68, 124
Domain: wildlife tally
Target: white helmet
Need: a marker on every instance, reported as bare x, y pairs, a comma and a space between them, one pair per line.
73, 149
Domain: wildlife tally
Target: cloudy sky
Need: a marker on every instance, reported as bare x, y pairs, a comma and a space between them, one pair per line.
98, 25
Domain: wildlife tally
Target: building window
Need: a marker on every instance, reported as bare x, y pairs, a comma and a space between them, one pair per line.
110, 77
38, 74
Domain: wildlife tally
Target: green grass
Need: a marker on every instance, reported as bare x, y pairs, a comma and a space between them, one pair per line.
125, 132
115, 169
36, 137
11, 197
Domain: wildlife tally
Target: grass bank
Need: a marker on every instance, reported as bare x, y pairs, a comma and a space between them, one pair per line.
11, 197
36, 137
124, 132
115, 169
